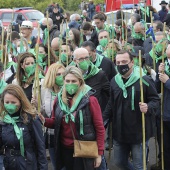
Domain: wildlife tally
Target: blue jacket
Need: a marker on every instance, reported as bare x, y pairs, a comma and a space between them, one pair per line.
162, 14
34, 146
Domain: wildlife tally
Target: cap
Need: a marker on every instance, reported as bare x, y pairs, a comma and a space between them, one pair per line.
135, 51
26, 24
163, 2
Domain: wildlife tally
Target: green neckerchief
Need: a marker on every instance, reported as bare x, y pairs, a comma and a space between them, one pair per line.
45, 36
13, 120
65, 108
135, 76
137, 36
25, 79
93, 71
99, 48
99, 59
83, 17
72, 63
156, 57
9, 64
3, 84
167, 68
53, 94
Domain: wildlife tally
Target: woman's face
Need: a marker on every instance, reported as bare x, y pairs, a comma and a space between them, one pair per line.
117, 29
70, 35
71, 79
10, 99
42, 50
27, 62
60, 72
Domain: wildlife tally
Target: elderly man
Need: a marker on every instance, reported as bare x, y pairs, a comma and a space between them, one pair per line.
54, 32
125, 110
26, 32
138, 34
75, 21
92, 75
55, 44
84, 17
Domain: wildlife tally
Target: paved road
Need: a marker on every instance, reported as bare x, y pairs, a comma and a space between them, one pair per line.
111, 166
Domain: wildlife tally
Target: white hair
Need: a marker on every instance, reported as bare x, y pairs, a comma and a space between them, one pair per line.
73, 17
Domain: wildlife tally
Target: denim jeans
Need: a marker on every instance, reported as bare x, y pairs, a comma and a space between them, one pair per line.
103, 165
122, 152
52, 157
1, 162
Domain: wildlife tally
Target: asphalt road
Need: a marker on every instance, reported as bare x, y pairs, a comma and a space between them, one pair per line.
111, 166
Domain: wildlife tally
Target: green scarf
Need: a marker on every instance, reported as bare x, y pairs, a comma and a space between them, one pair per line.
135, 76
3, 84
12, 120
45, 36
25, 79
167, 68
156, 57
9, 64
65, 108
93, 71
99, 59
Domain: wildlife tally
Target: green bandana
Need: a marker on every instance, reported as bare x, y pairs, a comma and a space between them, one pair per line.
104, 42
69, 111
167, 68
135, 76
99, 59
155, 56
93, 71
3, 84
138, 36
12, 120
30, 70
45, 36
9, 64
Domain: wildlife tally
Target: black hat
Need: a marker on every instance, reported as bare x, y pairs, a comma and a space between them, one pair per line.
135, 51
163, 2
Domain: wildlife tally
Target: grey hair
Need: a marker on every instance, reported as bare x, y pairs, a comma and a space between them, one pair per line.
73, 17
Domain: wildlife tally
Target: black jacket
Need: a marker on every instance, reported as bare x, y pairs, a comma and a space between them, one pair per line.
89, 131
108, 67
167, 19
94, 38
55, 21
35, 154
101, 85
127, 124
54, 32
147, 45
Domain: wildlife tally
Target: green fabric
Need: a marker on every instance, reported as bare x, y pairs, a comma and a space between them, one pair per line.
99, 49
155, 57
45, 36
0, 54
22, 50
135, 76
143, 11
167, 68
32, 51
10, 108
9, 64
104, 42
69, 111
13, 120
133, 98
99, 59
81, 122
84, 65
93, 71
25, 79
3, 84
53, 94
71, 88
30, 70
59, 80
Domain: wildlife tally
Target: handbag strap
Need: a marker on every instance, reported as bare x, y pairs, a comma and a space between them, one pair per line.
72, 131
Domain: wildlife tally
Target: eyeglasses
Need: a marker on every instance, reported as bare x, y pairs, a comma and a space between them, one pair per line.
82, 59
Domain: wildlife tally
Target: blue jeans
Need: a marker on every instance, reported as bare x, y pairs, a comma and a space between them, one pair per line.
122, 152
1, 162
52, 157
103, 165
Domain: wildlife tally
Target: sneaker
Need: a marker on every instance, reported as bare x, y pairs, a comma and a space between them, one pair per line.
155, 167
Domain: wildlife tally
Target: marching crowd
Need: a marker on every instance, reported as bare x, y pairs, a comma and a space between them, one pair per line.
82, 81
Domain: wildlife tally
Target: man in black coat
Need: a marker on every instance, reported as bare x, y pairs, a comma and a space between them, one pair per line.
163, 12
125, 110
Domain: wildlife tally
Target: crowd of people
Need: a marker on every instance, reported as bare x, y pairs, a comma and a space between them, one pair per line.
83, 79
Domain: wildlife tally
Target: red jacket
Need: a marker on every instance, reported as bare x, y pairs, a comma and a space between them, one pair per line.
66, 135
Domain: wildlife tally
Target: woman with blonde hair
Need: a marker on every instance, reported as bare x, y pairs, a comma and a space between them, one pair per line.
21, 135
75, 108
52, 84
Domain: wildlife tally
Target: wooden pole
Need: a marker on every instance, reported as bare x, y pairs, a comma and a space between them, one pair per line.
143, 114
122, 22
48, 28
162, 109
145, 21
2, 45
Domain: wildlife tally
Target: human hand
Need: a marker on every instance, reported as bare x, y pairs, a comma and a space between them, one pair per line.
34, 101
161, 68
97, 161
163, 77
143, 107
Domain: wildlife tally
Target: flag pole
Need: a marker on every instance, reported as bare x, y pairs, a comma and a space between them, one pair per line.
48, 39
143, 114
